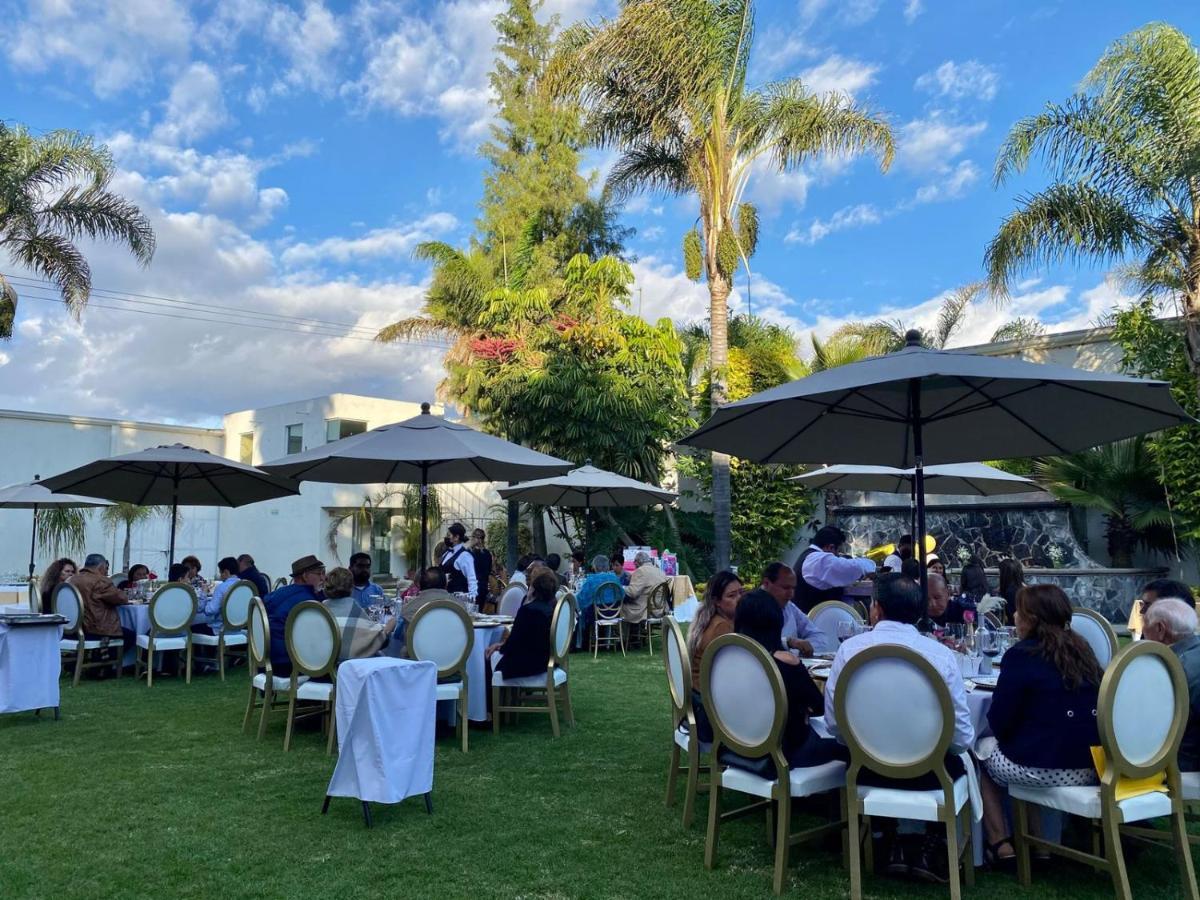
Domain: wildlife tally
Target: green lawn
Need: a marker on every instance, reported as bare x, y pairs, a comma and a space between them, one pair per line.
156, 792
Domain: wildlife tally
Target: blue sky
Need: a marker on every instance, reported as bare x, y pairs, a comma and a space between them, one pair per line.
292, 153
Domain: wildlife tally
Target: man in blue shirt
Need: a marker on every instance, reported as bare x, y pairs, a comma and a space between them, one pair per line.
365, 592
799, 633
308, 581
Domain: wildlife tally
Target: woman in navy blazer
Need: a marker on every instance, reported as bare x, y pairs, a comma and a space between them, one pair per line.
1043, 712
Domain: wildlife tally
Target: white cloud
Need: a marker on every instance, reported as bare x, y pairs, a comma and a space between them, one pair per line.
394, 242
772, 190
932, 143
847, 217
194, 108
952, 185
662, 290
961, 80
850, 12
308, 40
837, 74
912, 9
118, 43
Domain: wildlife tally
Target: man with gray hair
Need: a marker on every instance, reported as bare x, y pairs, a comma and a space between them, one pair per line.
645, 578
1173, 622
100, 601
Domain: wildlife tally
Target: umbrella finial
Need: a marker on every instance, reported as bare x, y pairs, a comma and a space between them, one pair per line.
587, 462
912, 338
424, 409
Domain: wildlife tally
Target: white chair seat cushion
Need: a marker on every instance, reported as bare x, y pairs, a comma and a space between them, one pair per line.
897, 803
162, 643
683, 738
450, 690
315, 690
529, 681
1085, 801
277, 683
1190, 782
609, 623
65, 644
232, 639
803, 782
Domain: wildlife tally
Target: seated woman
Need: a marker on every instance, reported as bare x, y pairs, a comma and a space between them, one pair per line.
137, 572
714, 619
361, 637
525, 648
760, 618
56, 573
1012, 579
1043, 711
585, 597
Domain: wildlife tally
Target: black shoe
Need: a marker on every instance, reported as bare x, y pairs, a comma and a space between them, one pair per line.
928, 860
897, 864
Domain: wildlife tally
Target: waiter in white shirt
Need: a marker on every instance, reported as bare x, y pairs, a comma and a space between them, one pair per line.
822, 574
458, 563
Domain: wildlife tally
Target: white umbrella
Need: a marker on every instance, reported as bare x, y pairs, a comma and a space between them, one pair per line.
424, 450
35, 495
174, 474
976, 479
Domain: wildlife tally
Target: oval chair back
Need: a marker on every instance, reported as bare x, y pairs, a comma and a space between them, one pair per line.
312, 639
744, 697
1142, 713
677, 675
658, 603
259, 637
826, 616
895, 714
66, 602
172, 609
607, 601
235, 608
279, 582
562, 629
512, 600
1096, 630
442, 633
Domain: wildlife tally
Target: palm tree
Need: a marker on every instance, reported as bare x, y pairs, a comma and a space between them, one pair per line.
54, 191
1120, 481
665, 83
129, 515
1126, 186
61, 529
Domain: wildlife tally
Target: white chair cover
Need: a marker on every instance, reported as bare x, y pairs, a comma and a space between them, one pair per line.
172, 608
68, 604
237, 603
676, 678
440, 636
1097, 637
511, 600
313, 640
1143, 709
385, 726
827, 615
740, 696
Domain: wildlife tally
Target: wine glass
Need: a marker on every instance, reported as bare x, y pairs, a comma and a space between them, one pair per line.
845, 629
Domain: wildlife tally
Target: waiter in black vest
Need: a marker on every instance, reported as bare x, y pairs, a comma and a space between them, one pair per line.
823, 575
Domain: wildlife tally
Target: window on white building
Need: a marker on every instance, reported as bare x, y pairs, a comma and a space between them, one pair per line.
336, 429
246, 448
295, 438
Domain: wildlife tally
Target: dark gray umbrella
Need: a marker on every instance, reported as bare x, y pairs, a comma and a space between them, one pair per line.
35, 495
919, 406
174, 474
976, 479
424, 450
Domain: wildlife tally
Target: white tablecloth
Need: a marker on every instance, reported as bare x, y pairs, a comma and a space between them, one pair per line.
136, 617
29, 666
385, 710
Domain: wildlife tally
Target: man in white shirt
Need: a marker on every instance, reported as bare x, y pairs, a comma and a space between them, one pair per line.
822, 574
458, 563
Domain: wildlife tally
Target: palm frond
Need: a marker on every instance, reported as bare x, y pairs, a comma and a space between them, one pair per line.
8, 308
797, 125
1020, 329
953, 313
414, 328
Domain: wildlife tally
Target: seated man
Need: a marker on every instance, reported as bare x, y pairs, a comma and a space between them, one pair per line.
100, 601
228, 570
1172, 622
433, 587
943, 609
308, 577
896, 608
365, 592
248, 571
799, 633
360, 636
1159, 589
645, 578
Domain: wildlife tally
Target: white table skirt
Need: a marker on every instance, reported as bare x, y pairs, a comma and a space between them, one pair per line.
29, 667
385, 711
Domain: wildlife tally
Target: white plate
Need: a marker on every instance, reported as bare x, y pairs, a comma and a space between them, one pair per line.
985, 681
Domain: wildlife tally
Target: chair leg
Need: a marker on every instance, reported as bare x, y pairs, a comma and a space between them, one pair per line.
1116, 858
568, 709
672, 772
268, 699
621, 637
968, 854
150, 664
1020, 844
853, 830
331, 743
1183, 854
714, 817
462, 718
552, 702
291, 720
188, 680
495, 710
650, 638
249, 708
868, 844
783, 820
693, 777
119, 660
595, 642
79, 667
221, 656
951, 823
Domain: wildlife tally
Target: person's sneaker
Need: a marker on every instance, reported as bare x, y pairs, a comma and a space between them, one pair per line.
896, 864
927, 861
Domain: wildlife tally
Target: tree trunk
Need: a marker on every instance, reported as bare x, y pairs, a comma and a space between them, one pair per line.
718, 314
125, 551
512, 536
676, 540
1191, 318
537, 525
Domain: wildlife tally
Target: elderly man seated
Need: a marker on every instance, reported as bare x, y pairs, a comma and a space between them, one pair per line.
433, 587
943, 609
361, 637
1152, 592
100, 601
1173, 622
308, 578
799, 633
645, 578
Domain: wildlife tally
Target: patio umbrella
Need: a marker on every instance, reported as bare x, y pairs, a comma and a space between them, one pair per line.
173, 474
424, 450
35, 495
586, 487
919, 406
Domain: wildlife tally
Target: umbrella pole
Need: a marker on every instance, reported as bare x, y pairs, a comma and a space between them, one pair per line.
914, 393
174, 516
33, 542
424, 517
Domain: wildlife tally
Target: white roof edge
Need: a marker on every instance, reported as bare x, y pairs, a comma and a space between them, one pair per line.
95, 420
1077, 338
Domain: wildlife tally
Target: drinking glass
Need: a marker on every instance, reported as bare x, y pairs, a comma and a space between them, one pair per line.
845, 629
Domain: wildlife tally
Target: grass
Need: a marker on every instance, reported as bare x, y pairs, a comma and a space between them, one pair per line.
142, 792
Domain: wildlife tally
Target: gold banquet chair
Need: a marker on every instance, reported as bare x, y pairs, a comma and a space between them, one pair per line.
826, 616
658, 607
443, 633
172, 609
313, 642
1097, 631
1142, 712
895, 714
274, 690
67, 603
235, 612
553, 686
607, 608
746, 702
684, 738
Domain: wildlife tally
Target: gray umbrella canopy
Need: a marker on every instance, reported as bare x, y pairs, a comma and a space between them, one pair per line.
175, 475
585, 487
424, 450
35, 495
975, 479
